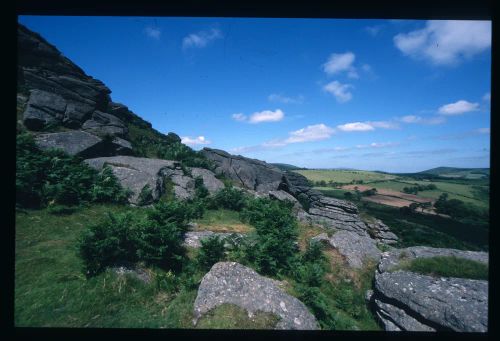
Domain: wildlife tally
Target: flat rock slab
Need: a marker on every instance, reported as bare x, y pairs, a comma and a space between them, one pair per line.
233, 283
404, 300
193, 238
83, 144
355, 248
381, 232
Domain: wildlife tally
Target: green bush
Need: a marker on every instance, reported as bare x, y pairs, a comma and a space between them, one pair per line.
52, 177
211, 252
276, 230
448, 267
200, 190
145, 196
167, 281
109, 242
229, 198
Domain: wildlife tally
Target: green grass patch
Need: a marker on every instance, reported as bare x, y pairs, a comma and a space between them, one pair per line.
230, 316
445, 266
222, 220
344, 176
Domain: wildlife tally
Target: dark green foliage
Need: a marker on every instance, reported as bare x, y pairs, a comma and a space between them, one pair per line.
53, 177
61, 210
369, 192
147, 142
276, 230
146, 195
229, 198
418, 188
155, 239
459, 210
167, 281
200, 190
109, 242
449, 267
161, 244
304, 201
211, 252
348, 195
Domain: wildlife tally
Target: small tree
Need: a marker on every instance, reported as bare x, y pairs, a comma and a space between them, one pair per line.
211, 252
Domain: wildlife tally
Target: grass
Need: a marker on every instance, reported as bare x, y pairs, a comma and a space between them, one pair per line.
230, 316
222, 220
344, 176
447, 267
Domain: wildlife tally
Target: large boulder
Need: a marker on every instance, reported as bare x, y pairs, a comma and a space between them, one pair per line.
250, 173
233, 283
135, 173
83, 144
105, 124
43, 108
357, 250
404, 300
209, 180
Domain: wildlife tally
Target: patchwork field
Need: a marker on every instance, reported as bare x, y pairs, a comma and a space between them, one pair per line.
344, 176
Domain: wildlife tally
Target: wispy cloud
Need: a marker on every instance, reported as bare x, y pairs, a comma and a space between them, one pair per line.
311, 133
153, 32
201, 39
286, 100
373, 30
378, 145
458, 108
193, 141
487, 97
367, 126
260, 116
341, 62
339, 91
410, 119
465, 134
446, 42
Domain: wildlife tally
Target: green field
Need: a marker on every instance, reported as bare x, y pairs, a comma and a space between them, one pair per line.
343, 176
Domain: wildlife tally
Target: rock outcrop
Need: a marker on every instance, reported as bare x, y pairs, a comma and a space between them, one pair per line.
409, 301
357, 250
135, 173
381, 232
81, 143
233, 283
250, 173
194, 238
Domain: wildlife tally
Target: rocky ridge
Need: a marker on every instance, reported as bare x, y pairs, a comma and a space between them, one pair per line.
233, 283
404, 300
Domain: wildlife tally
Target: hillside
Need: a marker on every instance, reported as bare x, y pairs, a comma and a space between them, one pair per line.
119, 225
452, 172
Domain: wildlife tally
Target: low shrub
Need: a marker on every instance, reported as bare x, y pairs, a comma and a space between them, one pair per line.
211, 252
229, 198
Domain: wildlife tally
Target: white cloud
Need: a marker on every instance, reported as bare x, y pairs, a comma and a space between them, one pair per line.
487, 97
239, 117
266, 116
378, 145
410, 119
446, 42
201, 39
310, 133
153, 32
195, 141
287, 100
355, 126
483, 130
340, 62
373, 30
458, 108
383, 124
339, 91
316, 132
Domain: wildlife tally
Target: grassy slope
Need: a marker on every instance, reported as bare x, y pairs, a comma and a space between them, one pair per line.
51, 290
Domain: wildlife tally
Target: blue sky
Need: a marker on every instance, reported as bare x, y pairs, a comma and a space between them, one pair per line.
390, 95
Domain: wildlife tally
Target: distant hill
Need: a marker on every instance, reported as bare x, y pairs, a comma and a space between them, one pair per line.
453, 172
285, 166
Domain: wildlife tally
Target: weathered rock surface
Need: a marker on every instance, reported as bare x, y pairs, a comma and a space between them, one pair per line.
103, 124
405, 300
136, 272
135, 173
233, 283
381, 232
209, 180
356, 249
252, 174
193, 238
76, 142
